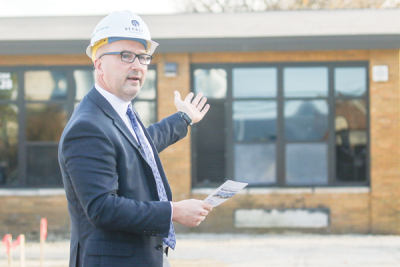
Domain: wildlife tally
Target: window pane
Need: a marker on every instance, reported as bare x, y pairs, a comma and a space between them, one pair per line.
8, 145
147, 111
306, 164
254, 121
350, 81
84, 80
42, 166
211, 82
306, 82
306, 120
351, 140
45, 85
209, 153
8, 86
148, 90
254, 82
255, 163
45, 122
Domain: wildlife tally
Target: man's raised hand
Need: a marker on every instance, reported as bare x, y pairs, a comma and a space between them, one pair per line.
195, 109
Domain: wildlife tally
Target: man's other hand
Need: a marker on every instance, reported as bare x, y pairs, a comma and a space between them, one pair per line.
195, 108
190, 212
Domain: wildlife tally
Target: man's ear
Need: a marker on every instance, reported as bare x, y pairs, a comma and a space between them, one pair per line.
97, 65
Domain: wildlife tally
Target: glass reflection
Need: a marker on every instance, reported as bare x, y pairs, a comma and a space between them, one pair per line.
254, 82
84, 81
305, 82
42, 166
351, 140
8, 86
350, 81
306, 164
45, 85
8, 145
211, 82
147, 111
254, 121
45, 122
255, 163
148, 90
306, 120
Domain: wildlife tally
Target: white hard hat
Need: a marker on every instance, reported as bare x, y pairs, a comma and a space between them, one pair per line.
120, 26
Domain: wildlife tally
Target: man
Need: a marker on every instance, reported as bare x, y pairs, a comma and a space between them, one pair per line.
119, 198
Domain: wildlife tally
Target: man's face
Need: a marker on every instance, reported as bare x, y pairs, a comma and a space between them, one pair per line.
122, 79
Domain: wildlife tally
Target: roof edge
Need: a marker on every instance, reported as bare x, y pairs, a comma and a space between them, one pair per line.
179, 45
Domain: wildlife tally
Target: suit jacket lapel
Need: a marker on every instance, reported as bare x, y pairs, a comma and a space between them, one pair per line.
104, 105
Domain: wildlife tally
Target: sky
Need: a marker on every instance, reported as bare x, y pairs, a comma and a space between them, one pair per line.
22, 8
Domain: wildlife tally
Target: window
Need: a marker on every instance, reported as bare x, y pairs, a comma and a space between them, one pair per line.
35, 105
9, 114
254, 114
282, 124
146, 101
209, 150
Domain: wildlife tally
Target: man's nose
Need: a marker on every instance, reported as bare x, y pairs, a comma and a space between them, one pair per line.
136, 64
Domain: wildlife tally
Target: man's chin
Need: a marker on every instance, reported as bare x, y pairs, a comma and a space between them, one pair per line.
131, 91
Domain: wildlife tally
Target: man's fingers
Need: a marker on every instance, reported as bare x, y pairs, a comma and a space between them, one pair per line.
189, 97
177, 96
204, 213
205, 109
201, 104
207, 206
197, 99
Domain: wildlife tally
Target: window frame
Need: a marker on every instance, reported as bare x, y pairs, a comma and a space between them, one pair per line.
280, 141
155, 100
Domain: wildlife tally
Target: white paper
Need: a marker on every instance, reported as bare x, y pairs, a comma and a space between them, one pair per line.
224, 192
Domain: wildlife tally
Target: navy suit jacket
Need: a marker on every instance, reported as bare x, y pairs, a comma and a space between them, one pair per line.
116, 216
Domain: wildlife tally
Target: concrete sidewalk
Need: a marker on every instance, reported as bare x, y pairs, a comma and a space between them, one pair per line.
223, 250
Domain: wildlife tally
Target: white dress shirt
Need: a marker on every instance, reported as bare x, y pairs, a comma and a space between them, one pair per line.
121, 106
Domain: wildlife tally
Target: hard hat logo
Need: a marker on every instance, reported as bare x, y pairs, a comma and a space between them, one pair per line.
135, 23
117, 26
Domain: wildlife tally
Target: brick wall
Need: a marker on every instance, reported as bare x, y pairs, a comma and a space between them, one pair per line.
176, 159
349, 213
22, 214
385, 132
375, 212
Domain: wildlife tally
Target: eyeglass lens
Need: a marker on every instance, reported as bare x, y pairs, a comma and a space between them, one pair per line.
130, 57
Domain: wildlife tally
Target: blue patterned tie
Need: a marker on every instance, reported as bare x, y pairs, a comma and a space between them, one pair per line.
170, 241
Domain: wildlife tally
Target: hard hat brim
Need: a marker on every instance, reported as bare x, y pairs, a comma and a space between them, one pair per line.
150, 51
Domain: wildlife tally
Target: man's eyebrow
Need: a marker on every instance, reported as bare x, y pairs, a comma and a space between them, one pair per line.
142, 52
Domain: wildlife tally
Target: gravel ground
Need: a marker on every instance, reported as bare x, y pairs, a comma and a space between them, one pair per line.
225, 250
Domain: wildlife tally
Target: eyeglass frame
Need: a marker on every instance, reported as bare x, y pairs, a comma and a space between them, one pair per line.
136, 56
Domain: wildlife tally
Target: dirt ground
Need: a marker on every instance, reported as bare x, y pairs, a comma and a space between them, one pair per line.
223, 250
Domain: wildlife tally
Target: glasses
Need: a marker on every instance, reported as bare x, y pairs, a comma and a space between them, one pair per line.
129, 57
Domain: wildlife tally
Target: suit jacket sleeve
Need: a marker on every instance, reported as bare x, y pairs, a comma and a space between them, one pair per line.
168, 131
90, 160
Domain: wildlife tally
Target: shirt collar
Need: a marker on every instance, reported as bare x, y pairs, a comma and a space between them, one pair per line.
120, 106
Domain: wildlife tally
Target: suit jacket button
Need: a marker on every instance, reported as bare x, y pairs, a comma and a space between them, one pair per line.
159, 246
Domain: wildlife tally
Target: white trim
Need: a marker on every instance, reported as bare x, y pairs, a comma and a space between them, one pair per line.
289, 190
41, 192
342, 190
